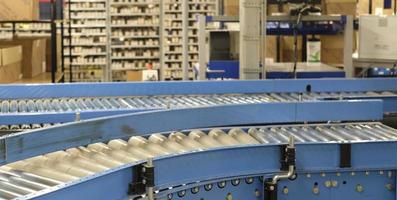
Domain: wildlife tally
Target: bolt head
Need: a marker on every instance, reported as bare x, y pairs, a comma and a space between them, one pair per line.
327, 184
315, 190
334, 183
257, 193
389, 187
359, 188
285, 190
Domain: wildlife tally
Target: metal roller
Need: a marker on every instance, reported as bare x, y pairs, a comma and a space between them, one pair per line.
17, 178
171, 101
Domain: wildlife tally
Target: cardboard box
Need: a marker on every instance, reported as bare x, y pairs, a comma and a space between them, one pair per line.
134, 75
287, 49
232, 7
341, 8
143, 75
19, 10
34, 60
10, 64
271, 47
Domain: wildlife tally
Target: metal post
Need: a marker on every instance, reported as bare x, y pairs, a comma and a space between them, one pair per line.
202, 47
162, 40
263, 38
348, 47
150, 189
185, 40
53, 41
250, 34
62, 43
70, 42
107, 71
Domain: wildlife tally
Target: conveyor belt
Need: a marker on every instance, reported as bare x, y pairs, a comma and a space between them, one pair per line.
156, 102
28, 176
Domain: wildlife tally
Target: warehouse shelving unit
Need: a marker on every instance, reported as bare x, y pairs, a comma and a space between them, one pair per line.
172, 28
180, 47
196, 8
111, 37
86, 49
135, 39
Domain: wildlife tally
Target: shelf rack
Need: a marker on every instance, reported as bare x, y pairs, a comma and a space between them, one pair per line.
110, 37
135, 36
180, 45
85, 54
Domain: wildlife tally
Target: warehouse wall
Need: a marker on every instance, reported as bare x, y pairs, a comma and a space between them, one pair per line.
332, 46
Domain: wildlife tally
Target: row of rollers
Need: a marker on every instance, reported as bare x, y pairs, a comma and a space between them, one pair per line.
75, 163
57, 105
329, 133
16, 127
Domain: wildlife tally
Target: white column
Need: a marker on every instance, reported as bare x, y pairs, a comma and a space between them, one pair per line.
250, 38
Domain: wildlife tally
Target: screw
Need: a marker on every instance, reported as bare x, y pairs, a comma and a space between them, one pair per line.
222, 184
353, 173
308, 175
285, 190
327, 184
249, 180
367, 173
315, 190
323, 174
195, 190
389, 187
169, 196
236, 182
271, 187
390, 174
208, 187
182, 193
257, 193
229, 197
359, 188
338, 174
334, 183
381, 172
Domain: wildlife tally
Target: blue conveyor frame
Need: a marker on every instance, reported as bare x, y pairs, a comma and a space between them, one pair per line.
211, 165
178, 88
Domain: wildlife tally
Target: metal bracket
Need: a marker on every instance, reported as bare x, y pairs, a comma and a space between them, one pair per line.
3, 150
143, 178
270, 190
345, 155
287, 157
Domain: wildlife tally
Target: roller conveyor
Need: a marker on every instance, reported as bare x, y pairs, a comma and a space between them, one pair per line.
32, 175
20, 105
163, 102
